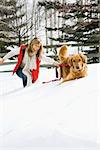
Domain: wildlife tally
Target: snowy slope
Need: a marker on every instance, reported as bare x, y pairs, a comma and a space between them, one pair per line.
50, 116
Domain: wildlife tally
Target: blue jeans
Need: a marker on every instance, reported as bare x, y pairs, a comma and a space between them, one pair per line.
21, 75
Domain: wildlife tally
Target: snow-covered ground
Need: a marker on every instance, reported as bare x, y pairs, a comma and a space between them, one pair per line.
50, 116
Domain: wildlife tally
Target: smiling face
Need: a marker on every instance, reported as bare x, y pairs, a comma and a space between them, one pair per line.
77, 63
34, 47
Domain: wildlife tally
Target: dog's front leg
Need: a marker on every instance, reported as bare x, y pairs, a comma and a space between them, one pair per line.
68, 78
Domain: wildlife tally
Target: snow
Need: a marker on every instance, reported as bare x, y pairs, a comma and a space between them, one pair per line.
50, 116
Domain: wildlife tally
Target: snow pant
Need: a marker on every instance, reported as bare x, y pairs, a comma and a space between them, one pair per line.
22, 76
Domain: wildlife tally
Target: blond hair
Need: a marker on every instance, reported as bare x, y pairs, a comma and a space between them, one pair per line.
30, 47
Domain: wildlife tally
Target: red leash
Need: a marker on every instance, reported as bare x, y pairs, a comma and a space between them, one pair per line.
64, 65
60, 65
51, 80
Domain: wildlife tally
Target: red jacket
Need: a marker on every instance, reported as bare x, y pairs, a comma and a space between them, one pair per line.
35, 72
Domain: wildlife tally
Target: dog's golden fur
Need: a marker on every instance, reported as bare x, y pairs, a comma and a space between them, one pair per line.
73, 67
63, 53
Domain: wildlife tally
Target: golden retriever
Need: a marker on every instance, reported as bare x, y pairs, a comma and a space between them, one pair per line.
72, 67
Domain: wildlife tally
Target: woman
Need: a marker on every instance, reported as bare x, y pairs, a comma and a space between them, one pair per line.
29, 59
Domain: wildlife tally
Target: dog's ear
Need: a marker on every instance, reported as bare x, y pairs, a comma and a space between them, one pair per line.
84, 57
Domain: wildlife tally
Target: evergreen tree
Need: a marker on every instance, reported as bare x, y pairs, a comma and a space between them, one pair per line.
12, 23
79, 23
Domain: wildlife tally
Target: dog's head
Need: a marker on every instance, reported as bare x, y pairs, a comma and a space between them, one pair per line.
78, 62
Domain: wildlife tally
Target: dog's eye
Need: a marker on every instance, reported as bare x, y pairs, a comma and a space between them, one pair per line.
73, 60
79, 60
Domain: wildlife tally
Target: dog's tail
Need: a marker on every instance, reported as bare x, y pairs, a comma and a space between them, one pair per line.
63, 52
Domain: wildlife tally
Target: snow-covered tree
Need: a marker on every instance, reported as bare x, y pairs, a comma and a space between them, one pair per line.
13, 23
76, 23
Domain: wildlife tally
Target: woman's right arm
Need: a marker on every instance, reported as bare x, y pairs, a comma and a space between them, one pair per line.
10, 54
